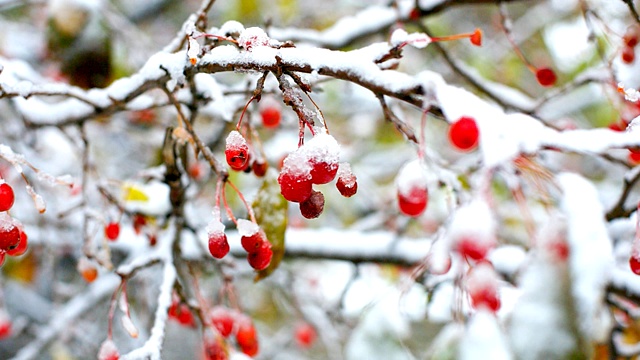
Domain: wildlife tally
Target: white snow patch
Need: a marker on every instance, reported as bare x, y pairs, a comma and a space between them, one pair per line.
483, 339
247, 228
591, 256
411, 176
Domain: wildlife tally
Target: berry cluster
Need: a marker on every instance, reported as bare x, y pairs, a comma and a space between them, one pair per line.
630, 41
316, 162
181, 313
13, 239
255, 243
227, 322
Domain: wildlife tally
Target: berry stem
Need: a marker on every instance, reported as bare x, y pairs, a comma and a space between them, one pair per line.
218, 37
452, 37
244, 201
112, 308
227, 208
239, 124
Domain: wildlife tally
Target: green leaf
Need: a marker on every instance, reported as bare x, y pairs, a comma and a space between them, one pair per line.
271, 211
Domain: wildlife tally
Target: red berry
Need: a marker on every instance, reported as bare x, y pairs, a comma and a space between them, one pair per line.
181, 313
270, 116
630, 37
305, 335
634, 264
218, 244
486, 297
313, 206
237, 151
139, 222
476, 37
413, 202
2, 257
7, 197
261, 258
259, 168
628, 55
112, 231
323, 172
634, 158
9, 236
414, 14
347, 183
295, 187
222, 319
87, 270
246, 336
546, 77
5, 325
22, 246
464, 133
215, 348
469, 248
482, 286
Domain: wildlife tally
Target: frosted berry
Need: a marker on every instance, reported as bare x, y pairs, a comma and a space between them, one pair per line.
486, 297
237, 151
222, 319
108, 351
5, 325
305, 335
7, 197
628, 55
469, 248
482, 286
323, 153
546, 77
634, 264
261, 258
21, 248
313, 206
112, 231
630, 37
9, 236
218, 244
464, 133
412, 193
215, 348
271, 116
347, 183
414, 201
246, 336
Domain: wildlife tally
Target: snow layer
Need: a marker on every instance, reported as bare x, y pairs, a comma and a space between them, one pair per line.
483, 339
591, 256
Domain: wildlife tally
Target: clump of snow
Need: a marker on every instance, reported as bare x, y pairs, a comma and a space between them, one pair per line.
322, 148
591, 254
347, 176
411, 176
247, 228
297, 164
235, 140
630, 94
129, 326
253, 37
153, 198
541, 323
193, 50
231, 27
215, 227
483, 339
38, 200
108, 351
418, 40
398, 37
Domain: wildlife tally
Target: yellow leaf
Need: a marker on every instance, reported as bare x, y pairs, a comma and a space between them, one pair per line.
132, 193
